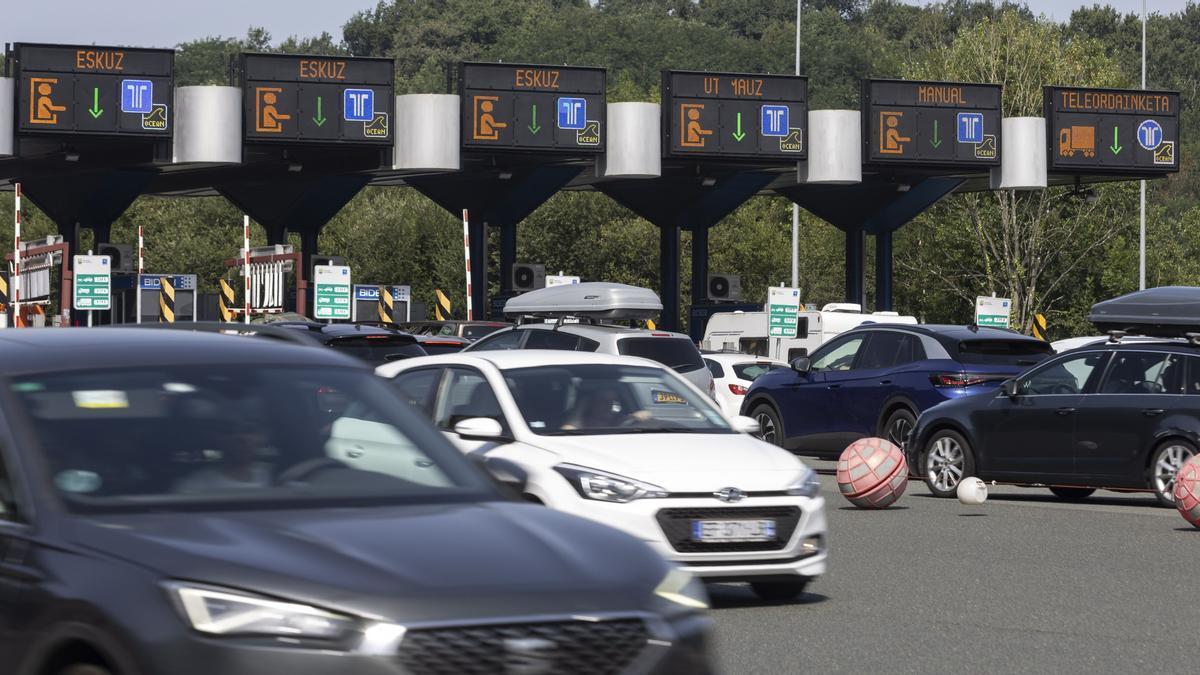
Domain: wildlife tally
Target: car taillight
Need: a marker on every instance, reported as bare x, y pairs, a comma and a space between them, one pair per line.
737, 389
957, 379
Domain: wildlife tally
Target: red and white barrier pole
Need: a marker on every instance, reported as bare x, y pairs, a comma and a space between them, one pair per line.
467, 252
141, 251
16, 285
246, 267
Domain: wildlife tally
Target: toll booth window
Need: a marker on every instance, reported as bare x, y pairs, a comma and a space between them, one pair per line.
207, 436
802, 327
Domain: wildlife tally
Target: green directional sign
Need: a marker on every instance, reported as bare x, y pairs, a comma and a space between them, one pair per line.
783, 310
93, 282
331, 291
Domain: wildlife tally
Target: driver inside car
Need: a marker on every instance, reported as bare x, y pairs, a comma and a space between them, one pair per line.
602, 409
240, 445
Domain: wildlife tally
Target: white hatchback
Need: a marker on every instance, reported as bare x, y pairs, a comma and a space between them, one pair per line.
732, 376
629, 443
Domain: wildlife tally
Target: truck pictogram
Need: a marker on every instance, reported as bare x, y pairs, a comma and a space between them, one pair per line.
1077, 139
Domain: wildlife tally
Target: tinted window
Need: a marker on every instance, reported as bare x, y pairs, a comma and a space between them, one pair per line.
838, 355
794, 353
678, 354
751, 371
506, 340
466, 394
755, 346
1002, 352
378, 349
418, 386
1067, 376
1144, 373
1192, 385
476, 331
551, 339
8, 494
886, 349
714, 368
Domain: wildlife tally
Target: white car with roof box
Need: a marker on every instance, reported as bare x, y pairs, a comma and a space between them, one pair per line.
571, 317
626, 442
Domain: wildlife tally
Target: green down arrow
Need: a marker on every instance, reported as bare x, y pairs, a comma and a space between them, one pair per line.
96, 110
1116, 146
739, 134
534, 127
320, 119
936, 141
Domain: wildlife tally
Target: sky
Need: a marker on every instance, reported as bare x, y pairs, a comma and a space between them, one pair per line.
166, 23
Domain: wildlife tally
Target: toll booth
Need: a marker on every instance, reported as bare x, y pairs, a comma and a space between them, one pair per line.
135, 297
368, 306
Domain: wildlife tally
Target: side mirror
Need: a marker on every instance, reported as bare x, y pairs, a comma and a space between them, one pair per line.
479, 429
744, 425
802, 365
505, 472
1009, 388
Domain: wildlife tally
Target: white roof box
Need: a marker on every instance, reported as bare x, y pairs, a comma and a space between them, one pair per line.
594, 300
846, 307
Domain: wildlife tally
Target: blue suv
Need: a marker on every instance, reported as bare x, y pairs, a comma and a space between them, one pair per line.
876, 379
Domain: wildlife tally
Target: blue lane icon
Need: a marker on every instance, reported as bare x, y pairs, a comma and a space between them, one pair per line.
137, 96
970, 127
774, 120
358, 105
572, 113
1150, 134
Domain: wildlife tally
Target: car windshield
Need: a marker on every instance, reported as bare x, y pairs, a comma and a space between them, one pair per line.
751, 371
678, 354
378, 349
240, 436
1004, 352
595, 399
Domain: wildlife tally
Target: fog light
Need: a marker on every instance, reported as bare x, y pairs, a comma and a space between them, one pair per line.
811, 545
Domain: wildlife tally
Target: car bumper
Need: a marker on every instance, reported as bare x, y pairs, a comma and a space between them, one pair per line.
803, 554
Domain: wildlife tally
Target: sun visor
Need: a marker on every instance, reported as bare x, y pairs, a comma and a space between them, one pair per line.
1168, 311
595, 300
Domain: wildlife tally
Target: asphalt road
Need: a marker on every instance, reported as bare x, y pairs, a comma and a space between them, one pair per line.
1024, 583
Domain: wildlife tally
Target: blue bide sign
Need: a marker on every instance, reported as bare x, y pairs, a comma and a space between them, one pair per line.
358, 105
137, 96
970, 127
774, 120
1150, 134
572, 113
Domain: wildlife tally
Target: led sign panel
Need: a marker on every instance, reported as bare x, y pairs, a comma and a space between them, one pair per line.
740, 116
1112, 131
535, 108
934, 124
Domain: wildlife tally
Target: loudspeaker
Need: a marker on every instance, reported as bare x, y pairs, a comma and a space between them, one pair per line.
724, 287
528, 276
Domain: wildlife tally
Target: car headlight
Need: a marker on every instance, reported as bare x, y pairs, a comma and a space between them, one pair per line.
607, 487
223, 612
681, 588
807, 485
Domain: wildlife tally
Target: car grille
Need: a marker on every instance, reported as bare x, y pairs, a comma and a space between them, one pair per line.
558, 647
677, 525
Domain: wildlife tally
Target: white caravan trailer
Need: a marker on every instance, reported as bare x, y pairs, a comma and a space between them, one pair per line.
746, 332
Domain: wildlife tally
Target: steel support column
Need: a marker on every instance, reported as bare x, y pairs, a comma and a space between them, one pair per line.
479, 268
508, 255
883, 271
668, 252
855, 239
699, 265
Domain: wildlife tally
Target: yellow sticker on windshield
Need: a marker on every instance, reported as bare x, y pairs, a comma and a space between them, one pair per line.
668, 397
100, 399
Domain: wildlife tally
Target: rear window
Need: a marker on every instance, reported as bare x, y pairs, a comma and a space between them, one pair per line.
474, 332
678, 354
378, 349
751, 371
1003, 352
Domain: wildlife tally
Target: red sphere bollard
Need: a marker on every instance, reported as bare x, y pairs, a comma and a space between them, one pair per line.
1187, 491
872, 473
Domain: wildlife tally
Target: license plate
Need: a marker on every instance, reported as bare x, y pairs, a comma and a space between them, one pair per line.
733, 530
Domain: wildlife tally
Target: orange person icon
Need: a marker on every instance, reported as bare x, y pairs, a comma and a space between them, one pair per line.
41, 107
267, 118
693, 132
890, 140
486, 126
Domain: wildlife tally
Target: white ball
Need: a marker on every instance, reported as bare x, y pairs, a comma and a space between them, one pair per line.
972, 491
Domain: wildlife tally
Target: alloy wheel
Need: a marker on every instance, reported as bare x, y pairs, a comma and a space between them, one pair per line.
944, 466
766, 427
1167, 464
899, 431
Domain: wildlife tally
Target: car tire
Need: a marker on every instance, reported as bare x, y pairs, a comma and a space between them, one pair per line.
947, 459
779, 591
897, 425
1072, 494
769, 428
84, 669
1165, 461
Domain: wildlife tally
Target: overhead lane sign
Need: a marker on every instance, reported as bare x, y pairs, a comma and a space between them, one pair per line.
931, 124
317, 99
735, 115
1103, 131
89, 90
509, 107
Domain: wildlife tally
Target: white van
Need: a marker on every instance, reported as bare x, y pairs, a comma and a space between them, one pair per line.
746, 332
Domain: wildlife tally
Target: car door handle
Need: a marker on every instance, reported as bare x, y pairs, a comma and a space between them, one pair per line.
833, 386
1152, 412
1065, 411
885, 382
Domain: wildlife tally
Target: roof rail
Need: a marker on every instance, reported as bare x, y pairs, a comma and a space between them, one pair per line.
1114, 336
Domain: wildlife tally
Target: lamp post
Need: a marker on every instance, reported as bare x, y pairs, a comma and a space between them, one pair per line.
795, 206
1142, 217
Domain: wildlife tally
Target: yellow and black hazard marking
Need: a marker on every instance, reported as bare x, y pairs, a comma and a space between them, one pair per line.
1039, 326
166, 300
387, 305
441, 310
4, 293
226, 301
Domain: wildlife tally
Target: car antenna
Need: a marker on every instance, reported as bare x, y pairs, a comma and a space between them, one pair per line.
1114, 336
